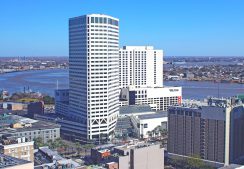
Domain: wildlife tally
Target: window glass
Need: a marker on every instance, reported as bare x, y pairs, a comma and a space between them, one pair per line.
100, 20
110, 21
96, 19
92, 19
145, 125
104, 20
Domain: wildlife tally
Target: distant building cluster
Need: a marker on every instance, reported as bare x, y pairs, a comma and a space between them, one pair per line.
16, 64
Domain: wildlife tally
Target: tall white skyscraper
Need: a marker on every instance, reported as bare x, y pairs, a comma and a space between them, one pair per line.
94, 74
141, 66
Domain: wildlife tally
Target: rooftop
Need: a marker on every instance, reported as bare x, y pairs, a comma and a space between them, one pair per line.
153, 116
35, 124
47, 157
7, 161
134, 109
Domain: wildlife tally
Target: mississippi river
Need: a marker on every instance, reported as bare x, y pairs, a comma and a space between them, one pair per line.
45, 81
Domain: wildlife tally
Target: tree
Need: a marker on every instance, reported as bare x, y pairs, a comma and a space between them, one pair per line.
195, 162
78, 147
48, 100
38, 142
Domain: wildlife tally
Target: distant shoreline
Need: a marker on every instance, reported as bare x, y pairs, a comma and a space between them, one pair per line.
210, 80
15, 71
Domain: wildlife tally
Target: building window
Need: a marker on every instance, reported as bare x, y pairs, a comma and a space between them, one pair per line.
146, 125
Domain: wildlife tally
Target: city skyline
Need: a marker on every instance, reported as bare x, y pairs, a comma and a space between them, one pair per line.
186, 28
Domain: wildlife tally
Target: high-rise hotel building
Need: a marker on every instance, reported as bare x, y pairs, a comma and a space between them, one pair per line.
141, 66
141, 79
94, 74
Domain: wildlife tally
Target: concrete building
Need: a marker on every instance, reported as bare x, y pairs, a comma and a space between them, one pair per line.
212, 132
112, 165
15, 106
18, 147
146, 125
141, 156
9, 162
134, 155
140, 121
159, 98
62, 102
35, 108
140, 66
141, 79
31, 129
94, 74
46, 158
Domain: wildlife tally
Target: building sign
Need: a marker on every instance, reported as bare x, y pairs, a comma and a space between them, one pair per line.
173, 90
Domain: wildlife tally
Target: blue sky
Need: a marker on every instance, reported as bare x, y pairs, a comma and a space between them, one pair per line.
179, 27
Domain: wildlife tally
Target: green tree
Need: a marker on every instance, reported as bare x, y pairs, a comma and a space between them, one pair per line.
78, 147
48, 100
38, 142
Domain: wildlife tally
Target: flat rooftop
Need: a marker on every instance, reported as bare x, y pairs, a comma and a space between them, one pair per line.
11, 161
134, 109
35, 124
153, 116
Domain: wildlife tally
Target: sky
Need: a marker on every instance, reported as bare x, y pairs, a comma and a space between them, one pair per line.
179, 27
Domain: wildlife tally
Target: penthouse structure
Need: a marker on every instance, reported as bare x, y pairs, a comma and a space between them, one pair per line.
212, 131
94, 74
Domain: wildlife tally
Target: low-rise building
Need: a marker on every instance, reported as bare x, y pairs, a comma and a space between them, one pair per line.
35, 108
140, 121
141, 156
47, 158
136, 155
31, 129
15, 106
9, 162
150, 124
158, 98
18, 147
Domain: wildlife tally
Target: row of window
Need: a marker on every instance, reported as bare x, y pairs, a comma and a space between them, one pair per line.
104, 21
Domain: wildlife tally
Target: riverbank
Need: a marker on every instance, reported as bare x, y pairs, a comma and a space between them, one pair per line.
46, 81
3, 71
210, 80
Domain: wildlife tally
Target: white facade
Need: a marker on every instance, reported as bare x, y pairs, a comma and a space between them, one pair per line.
158, 98
94, 73
141, 66
143, 126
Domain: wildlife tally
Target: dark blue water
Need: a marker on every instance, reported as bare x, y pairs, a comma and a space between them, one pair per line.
45, 81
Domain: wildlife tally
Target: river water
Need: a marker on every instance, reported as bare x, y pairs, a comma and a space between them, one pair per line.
45, 81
